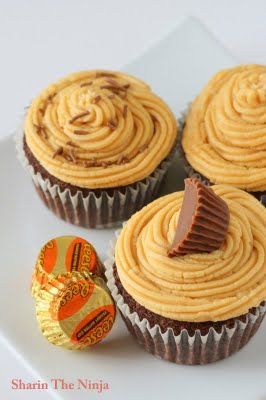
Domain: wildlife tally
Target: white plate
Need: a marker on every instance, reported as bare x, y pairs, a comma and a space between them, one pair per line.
177, 67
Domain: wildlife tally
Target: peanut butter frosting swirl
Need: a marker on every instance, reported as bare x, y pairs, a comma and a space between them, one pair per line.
225, 134
99, 129
199, 287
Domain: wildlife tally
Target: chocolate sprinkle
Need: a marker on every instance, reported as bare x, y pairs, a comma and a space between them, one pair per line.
67, 157
88, 164
69, 143
125, 111
80, 132
86, 84
51, 97
122, 95
96, 99
112, 82
104, 74
143, 148
111, 124
83, 114
95, 162
72, 155
122, 159
113, 88
58, 152
41, 130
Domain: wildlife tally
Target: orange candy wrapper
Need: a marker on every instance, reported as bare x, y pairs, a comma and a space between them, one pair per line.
61, 255
74, 308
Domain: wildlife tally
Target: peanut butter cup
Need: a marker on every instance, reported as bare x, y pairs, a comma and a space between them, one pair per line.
203, 221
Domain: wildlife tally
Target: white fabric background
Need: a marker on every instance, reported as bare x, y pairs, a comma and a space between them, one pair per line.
42, 40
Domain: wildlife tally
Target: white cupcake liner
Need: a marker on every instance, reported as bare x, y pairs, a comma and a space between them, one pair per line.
183, 348
101, 210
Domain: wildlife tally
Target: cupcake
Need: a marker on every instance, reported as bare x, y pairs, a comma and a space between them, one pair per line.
97, 145
189, 273
224, 138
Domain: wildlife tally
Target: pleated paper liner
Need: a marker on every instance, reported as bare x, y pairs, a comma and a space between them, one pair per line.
96, 210
183, 348
75, 311
191, 172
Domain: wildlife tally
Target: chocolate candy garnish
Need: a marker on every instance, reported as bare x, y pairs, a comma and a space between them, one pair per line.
74, 308
203, 221
61, 255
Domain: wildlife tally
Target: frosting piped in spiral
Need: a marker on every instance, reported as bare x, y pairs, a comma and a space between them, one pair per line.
99, 129
199, 287
225, 134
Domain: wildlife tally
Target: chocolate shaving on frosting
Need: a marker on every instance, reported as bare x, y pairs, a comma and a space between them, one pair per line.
125, 111
122, 159
69, 143
41, 130
51, 97
203, 221
112, 82
143, 148
80, 132
96, 99
58, 152
104, 74
86, 84
72, 156
113, 88
83, 114
111, 124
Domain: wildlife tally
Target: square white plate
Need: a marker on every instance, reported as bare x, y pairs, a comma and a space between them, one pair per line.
176, 68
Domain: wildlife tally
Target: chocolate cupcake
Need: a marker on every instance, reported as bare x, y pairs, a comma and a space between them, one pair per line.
224, 137
194, 307
97, 145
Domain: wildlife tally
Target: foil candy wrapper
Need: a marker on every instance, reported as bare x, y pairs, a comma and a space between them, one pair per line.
74, 308
61, 255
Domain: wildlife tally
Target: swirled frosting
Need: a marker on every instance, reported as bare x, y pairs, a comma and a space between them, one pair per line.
225, 134
99, 129
216, 286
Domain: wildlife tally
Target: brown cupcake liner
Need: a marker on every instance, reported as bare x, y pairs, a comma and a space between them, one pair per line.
95, 210
192, 173
184, 348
